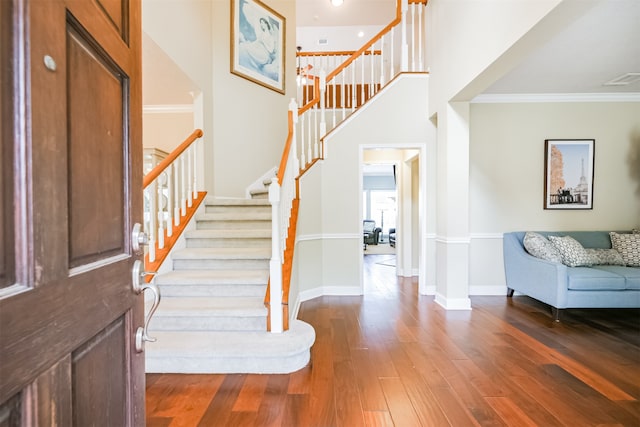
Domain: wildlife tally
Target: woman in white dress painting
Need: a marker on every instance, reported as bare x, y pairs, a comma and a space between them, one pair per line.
259, 52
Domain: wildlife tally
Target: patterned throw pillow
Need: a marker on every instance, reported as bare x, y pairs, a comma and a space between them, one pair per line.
598, 256
540, 247
571, 251
629, 247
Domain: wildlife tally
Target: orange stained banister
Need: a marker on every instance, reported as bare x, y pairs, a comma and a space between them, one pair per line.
287, 146
160, 167
336, 53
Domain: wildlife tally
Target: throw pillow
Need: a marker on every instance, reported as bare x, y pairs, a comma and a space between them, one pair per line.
629, 247
598, 256
571, 251
540, 247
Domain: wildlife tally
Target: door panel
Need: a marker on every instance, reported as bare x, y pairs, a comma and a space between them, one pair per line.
71, 167
96, 169
101, 400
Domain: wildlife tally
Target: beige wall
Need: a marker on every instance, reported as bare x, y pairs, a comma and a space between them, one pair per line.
330, 226
245, 125
249, 120
507, 173
166, 130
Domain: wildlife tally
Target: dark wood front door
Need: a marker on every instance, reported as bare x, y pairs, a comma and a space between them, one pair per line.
70, 193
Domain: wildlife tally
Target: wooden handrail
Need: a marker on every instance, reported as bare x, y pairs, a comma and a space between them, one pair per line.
336, 53
287, 147
160, 167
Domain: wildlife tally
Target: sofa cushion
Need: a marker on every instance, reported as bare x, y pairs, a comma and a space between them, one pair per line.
540, 247
631, 274
594, 279
629, 247
601, 256
571, 251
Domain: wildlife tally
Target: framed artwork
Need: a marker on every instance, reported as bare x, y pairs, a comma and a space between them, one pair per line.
568, 173
258, 43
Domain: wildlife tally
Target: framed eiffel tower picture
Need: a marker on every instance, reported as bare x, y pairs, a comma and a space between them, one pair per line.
568, 175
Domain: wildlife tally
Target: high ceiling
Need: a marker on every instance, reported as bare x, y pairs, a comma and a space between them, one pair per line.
600, 46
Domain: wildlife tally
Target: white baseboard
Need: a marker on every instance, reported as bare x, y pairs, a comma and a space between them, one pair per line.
488, 290
453, 303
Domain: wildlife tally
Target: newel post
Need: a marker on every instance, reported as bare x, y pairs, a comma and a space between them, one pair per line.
275, 265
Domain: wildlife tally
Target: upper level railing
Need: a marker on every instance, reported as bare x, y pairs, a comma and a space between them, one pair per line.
170, 199
327, 98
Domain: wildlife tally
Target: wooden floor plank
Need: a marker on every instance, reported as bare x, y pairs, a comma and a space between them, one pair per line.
400, 408
392, 357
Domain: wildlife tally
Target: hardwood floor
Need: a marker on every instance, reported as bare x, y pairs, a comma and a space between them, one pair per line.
394, 358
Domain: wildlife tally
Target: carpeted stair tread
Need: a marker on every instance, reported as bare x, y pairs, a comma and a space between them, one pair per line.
213, 277
229, 234
212, 201
222, 253
220, 344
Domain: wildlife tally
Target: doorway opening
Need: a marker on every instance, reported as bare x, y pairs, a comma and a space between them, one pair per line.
393, 190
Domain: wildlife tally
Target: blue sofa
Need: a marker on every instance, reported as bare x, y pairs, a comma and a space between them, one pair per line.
598, 286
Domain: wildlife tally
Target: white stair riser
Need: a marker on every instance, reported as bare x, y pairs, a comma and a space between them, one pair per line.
233, 225
212, 290
207, 323
241, 209
197, 242
227, 365
220, 264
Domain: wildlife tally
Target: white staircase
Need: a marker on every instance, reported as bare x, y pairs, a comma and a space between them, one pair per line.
212, 317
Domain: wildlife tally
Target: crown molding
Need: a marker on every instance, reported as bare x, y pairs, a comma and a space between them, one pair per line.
169, 108
496, 98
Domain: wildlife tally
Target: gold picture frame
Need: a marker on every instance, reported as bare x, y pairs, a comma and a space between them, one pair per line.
258, 44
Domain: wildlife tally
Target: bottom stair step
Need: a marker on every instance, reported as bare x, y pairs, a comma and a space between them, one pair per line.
210, 352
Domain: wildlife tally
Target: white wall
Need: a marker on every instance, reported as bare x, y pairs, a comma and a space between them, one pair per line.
182, 29
507, 174
330, 226
166, 130
249, 120
245, 124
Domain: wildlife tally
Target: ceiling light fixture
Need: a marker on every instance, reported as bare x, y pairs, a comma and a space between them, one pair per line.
337, 2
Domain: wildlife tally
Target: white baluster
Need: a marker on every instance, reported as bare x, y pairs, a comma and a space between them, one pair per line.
334, 105
323, 93
404, 64
194, 157
160, 181
353, 86
183, 188
309, 157
176, 194
392, 61
382, 51
362, 80
371, 77
413, 37
343, 98
153, 218
420, 19
187, 158
170, 190
303, 161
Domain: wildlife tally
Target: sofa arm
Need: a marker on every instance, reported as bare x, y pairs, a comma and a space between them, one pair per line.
543, 280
